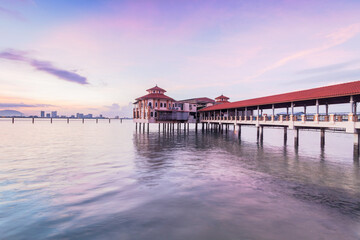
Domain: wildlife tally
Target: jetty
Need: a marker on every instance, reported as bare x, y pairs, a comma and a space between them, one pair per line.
250, 112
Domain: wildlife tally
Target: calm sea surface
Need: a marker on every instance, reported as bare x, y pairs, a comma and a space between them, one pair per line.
107, 181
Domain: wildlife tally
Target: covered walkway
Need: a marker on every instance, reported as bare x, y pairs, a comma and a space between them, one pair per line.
251, 111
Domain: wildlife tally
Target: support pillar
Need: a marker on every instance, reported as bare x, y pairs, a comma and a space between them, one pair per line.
13, 120
196, 127
33, 120
97, 120
50, 120
143, 127
239, 131
356, 145
159, 127
261, 134
285, 135
322, 137
296, 137
257, 133
148, 125
67, 120
317, 106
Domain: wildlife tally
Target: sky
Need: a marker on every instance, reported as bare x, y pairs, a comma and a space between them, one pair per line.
97, 56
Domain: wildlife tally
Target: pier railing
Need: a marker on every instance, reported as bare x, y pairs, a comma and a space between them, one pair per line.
286, 118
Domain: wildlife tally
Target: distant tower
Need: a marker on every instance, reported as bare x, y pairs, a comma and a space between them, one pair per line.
221, 99
42, 114
54, 114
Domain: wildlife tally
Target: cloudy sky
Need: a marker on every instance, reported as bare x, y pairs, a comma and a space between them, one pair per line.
96, 56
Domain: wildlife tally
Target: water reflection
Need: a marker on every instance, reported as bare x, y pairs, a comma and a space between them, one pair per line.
111, 181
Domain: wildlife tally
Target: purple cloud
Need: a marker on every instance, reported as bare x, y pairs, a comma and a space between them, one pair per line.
11, 13
44, 66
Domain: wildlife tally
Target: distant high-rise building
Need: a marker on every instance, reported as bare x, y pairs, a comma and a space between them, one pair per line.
79, 115
42, 114
54, 114
48, 115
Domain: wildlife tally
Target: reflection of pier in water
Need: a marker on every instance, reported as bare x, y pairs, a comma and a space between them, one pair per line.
303, 176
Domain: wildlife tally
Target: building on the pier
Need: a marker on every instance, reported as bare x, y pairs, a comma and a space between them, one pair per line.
193, 105
157, 107
221, 99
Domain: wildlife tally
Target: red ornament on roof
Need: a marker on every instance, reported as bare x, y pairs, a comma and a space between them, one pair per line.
222, 99
156, 89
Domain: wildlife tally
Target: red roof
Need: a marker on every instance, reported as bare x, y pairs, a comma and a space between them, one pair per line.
156, 88
198, 100
338, 90
222, 96
155, 96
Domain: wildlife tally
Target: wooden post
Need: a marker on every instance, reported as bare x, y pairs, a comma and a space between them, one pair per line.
67, 120
261, 134
148, 125
33, 120
257, 133
83, 120
97, 120
296, 137
109, 120
13, 120
285, 135
50, 120
322, 137
356, 145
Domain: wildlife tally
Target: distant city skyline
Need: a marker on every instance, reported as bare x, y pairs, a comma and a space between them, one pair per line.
98, 56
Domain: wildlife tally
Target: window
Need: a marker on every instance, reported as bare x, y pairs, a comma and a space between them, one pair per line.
164, 104
149, 104
173, 105
161, 105
151, 114
155, 114
155, 104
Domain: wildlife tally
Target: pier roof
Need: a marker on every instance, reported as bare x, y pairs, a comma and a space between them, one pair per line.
222, 97
155, 96
156, 88
198, 100
338, 90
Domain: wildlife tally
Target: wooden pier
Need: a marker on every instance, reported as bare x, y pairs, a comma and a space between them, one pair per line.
250, 112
